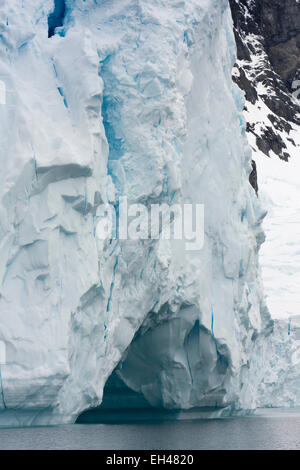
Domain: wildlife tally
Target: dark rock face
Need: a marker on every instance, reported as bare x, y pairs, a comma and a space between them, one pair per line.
245, 84
280, 23
253, 177
267, 35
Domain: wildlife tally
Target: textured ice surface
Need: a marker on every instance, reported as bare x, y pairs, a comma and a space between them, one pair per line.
281, 379
128, 98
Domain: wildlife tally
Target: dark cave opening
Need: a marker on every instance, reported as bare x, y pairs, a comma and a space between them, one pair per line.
120, 404
56, 18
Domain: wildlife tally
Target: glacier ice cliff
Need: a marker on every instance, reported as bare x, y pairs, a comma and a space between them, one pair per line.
280, 380
131, 98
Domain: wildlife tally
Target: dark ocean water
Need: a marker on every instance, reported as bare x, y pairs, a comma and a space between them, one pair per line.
267, 431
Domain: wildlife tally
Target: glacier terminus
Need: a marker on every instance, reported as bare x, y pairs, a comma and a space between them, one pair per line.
106, 99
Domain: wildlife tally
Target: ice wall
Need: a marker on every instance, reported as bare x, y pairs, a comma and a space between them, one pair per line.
279, 385
127, 98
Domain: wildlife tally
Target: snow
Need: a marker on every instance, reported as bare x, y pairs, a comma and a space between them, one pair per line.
279, 191
280, 255
276, 368
130, 98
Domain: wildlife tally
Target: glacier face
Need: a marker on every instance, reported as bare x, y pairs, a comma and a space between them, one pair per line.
129, 98
280, 381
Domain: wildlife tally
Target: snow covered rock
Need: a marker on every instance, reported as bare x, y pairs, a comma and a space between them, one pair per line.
124, 98
267, 70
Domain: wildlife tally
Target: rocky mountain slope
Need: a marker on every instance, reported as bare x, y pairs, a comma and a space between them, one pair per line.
267, 34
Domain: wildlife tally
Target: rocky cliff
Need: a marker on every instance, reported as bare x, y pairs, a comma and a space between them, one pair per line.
267, 34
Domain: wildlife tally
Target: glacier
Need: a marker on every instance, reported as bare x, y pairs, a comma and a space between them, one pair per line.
124, 98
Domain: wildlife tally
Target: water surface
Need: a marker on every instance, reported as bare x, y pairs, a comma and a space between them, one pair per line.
268, 430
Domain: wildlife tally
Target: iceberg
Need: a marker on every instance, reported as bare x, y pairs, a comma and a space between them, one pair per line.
124, 98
